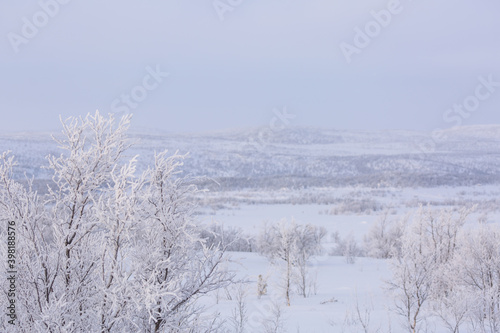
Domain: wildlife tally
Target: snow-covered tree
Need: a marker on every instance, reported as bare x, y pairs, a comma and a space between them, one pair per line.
477, 268
294, 245
174, 267
231, 238
37, 257
346, 247
309, 241
384, 238
116, 212
107, 250
428, 245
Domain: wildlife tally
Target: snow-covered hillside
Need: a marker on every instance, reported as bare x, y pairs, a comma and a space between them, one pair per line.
306, 157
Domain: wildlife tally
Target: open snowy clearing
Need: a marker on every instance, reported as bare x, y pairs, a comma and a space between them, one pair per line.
339, 285
345, 296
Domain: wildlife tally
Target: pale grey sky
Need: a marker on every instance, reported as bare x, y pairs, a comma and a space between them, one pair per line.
265, 54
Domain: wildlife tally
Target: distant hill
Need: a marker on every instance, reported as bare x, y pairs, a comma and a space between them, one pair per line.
305, 157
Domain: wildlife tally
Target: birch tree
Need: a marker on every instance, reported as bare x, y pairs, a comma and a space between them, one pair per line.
428, 246
293, 245
108, 249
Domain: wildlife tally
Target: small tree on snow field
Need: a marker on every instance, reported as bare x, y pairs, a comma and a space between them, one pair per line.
240, 313
308, 243
346, 247
384, 237
428, 245
476, 267
293, 245
107, 250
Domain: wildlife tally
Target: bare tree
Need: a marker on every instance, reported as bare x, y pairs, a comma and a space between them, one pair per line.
309, 241
239, 315
294, 245
346, 247
477, 265
429, 244
274, 322
384, 238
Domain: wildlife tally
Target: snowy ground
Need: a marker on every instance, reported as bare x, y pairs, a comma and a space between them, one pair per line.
346, 294
330, 310
398, 202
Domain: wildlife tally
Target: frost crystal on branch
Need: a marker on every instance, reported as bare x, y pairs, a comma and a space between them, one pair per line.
108, 249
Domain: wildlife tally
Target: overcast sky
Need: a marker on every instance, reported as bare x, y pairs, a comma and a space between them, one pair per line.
230, 68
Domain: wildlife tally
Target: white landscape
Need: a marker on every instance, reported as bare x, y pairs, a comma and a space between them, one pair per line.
398, 250
232, 166
343, 288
